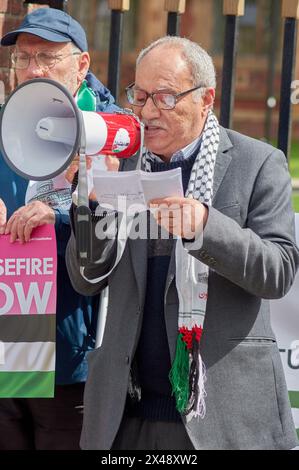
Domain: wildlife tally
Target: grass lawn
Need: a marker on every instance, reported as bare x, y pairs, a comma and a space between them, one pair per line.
294, 160
294, 170
296, 201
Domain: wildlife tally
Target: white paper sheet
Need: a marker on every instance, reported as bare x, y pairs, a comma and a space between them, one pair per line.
121, 190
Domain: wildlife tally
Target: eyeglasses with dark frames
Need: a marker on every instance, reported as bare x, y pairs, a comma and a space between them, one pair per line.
164, 100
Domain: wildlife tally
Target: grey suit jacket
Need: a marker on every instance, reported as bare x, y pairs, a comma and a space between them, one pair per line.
249, 246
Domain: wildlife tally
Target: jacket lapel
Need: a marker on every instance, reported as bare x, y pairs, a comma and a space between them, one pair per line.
223, 160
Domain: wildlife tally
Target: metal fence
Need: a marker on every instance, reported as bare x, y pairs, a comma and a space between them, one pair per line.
233, 10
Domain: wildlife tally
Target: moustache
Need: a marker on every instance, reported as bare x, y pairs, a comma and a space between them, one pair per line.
152, 123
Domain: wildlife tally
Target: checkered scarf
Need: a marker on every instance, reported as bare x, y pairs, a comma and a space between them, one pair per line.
187, 375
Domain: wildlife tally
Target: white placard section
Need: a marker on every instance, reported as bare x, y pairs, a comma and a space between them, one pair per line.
285, 322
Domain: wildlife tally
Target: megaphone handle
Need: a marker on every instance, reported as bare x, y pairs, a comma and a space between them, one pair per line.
83, 214
83, 234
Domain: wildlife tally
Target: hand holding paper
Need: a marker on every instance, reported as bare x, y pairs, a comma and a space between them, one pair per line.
183, 217
135, 188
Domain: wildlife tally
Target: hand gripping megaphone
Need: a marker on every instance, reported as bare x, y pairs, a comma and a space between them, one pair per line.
42, 130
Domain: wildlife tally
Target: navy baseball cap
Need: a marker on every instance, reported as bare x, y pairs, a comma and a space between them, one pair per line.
52, 25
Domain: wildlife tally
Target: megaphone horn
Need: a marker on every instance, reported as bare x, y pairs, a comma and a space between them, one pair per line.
41, 129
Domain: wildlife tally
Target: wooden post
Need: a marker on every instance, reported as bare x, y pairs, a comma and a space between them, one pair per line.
120, 5
290, 11
178, 6
118, 8
233, 9
175, 9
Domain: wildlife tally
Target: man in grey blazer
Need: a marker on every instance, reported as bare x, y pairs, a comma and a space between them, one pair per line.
231, 242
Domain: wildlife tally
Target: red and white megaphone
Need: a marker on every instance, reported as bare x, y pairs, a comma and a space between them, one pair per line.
42, 130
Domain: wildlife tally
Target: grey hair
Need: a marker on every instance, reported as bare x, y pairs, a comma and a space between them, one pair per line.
75, 48
199, 61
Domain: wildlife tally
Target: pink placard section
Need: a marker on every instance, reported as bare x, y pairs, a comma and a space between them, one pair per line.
28, 274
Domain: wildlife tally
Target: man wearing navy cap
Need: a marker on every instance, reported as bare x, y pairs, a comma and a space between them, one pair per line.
51, 44
52, 25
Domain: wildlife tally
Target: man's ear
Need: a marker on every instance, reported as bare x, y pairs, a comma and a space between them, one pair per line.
208, 99
84, 63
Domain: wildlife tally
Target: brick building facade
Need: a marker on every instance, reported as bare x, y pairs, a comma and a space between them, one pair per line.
11, 14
